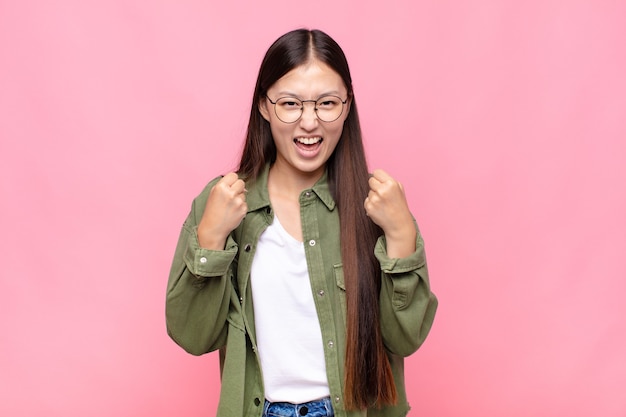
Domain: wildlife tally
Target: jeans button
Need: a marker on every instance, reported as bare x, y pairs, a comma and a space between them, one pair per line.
304, 410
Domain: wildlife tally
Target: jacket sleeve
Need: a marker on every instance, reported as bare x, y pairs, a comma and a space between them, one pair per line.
407, 305
199, 288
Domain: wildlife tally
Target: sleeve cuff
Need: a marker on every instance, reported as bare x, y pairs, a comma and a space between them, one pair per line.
208, 263
400, 265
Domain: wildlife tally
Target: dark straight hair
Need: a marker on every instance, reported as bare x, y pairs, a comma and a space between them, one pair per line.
368, 377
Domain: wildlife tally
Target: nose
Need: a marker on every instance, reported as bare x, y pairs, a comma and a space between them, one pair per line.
308, 120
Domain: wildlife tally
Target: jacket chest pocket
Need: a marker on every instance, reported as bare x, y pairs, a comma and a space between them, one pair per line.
341, 289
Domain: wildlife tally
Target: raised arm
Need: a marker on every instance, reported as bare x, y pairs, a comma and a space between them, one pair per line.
200, 283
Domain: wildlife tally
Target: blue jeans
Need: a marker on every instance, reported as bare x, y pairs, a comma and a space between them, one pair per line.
317, 408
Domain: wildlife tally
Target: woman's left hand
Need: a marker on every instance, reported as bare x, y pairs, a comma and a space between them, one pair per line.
386, 205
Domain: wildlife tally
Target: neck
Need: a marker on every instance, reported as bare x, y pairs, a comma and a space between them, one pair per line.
287, 183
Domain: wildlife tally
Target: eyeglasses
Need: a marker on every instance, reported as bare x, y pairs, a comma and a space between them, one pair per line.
290, 109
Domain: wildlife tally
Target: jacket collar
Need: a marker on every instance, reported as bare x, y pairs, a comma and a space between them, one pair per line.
258, 196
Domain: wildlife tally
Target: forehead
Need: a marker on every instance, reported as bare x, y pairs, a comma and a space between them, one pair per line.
310, 79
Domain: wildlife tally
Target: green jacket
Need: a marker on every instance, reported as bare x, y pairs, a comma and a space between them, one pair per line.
209, 299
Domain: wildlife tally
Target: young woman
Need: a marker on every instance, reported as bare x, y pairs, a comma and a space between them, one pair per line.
307, 272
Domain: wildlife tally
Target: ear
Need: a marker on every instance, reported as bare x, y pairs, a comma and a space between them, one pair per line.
348, 107
263, 108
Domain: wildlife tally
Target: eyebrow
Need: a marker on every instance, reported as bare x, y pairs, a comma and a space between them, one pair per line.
291, 94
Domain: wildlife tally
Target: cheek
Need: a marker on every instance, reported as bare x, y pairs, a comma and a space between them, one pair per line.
280, 133
334, 133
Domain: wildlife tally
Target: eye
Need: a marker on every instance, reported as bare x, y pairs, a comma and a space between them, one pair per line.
289, 103
327, 103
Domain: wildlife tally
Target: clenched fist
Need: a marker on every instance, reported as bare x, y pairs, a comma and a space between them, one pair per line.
386, 205
225, 209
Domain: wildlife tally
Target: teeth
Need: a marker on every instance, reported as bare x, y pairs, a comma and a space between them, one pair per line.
309, 141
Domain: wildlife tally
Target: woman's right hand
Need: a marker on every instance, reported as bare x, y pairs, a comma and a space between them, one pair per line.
225, 209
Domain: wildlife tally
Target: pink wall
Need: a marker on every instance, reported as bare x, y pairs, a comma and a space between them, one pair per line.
504, 119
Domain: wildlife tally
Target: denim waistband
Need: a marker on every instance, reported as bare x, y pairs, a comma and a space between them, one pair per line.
318, 408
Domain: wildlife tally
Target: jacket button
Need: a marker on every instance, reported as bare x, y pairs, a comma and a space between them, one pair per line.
247, 247
257, 402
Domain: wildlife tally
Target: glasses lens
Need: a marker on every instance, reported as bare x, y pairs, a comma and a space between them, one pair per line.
329, 108
288, 109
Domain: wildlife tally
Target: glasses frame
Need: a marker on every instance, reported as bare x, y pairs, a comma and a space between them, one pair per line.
343, 104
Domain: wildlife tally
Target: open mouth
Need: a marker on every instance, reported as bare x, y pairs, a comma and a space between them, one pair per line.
308, 143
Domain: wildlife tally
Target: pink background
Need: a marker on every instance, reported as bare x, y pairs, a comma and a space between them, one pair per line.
505, 120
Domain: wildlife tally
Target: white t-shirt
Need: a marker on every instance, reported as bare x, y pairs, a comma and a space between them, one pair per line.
288, 333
